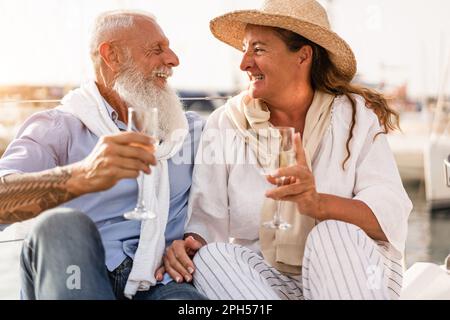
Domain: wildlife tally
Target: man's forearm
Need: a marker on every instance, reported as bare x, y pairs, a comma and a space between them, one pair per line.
24, 196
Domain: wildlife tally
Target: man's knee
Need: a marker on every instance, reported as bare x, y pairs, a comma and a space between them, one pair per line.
62, 222
59, 236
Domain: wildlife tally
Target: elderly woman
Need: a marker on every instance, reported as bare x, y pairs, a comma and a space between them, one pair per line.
344, 197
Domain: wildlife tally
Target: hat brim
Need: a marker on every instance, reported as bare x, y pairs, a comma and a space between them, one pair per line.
230, 28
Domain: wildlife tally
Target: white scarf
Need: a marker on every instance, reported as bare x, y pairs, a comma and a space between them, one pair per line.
283, 249
87, 104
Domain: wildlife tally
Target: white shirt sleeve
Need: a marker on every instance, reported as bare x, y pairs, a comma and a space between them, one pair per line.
378, 185
208, 202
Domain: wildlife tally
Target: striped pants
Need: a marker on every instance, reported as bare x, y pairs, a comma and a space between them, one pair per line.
340, 262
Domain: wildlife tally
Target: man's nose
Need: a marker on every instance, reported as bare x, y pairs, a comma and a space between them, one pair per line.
171, 59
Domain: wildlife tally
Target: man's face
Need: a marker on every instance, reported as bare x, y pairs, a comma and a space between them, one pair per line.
149, 52
147, 61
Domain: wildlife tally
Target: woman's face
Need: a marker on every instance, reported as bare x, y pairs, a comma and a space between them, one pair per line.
270, 66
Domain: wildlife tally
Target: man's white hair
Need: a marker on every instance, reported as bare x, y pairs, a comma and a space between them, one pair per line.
108, 24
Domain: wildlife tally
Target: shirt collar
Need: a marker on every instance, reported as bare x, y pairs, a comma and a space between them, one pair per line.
115, 116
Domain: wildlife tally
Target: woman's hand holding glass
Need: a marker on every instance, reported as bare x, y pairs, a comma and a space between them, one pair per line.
299, 187
279, 152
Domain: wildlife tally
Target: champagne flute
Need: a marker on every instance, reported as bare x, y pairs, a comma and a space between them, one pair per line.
145, 122
281, 154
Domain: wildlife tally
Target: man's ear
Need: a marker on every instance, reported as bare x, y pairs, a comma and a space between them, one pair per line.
109, 55
305, 54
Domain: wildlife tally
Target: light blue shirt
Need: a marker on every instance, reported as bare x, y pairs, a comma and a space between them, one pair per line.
53, 138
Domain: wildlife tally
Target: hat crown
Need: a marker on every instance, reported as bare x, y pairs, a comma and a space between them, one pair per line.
304, 17
306, 10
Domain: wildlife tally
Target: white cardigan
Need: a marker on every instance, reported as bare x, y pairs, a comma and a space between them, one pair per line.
226, 197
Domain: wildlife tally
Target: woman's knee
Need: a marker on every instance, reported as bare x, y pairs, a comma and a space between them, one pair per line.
207, 252
335, 231
217, 251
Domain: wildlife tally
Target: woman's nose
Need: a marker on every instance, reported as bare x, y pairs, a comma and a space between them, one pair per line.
247, 62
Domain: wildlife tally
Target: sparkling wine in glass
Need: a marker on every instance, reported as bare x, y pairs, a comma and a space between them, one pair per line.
282, 154
145, 122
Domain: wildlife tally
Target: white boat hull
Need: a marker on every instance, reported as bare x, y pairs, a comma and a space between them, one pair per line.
436, 189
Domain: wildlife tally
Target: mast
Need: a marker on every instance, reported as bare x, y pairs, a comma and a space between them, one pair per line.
441, 119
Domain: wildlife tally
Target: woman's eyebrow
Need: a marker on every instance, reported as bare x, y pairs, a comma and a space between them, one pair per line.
258, 42
255, 43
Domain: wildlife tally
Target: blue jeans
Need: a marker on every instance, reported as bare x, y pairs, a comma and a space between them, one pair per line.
63, 258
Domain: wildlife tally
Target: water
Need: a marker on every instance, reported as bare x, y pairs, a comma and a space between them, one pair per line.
428, 241
429, 233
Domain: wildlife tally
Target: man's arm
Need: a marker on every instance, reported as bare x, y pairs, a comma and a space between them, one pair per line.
24, 196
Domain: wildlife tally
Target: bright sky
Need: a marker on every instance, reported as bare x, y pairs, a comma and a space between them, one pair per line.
45, 41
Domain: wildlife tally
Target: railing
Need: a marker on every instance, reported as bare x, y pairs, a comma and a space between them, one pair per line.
12, 240
56, 101
447, 170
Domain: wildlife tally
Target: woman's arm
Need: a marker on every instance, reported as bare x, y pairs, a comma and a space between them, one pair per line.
322, 206
352, 211
196, 237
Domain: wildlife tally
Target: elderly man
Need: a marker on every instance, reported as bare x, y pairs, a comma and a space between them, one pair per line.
78, 160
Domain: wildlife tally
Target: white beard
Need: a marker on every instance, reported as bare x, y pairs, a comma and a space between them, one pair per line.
141, 93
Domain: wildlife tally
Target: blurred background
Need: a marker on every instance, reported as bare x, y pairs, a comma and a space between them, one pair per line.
402, 48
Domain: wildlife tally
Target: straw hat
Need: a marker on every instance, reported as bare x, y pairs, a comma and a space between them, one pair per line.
304, 17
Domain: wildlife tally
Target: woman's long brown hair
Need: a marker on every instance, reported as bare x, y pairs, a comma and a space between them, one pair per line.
326, 77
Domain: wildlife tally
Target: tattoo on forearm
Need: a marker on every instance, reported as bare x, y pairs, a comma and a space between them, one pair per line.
24, 196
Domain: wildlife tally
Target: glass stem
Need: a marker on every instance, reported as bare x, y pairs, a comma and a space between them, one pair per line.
277, 215
140, 201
